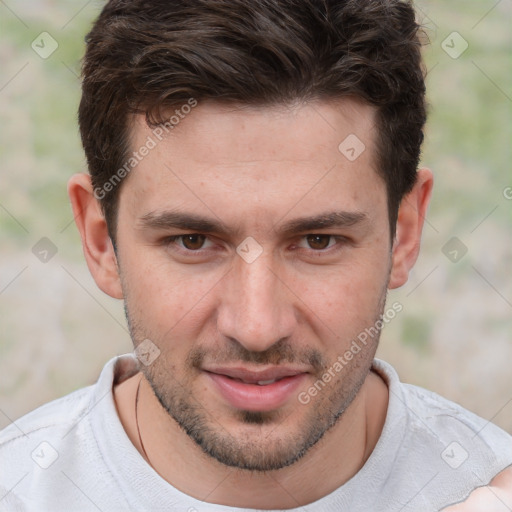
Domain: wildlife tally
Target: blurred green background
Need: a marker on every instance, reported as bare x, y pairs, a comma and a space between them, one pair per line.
57, 329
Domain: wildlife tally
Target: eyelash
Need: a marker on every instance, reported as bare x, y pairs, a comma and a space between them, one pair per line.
340, 241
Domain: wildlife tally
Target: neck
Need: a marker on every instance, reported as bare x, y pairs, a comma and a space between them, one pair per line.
336, 458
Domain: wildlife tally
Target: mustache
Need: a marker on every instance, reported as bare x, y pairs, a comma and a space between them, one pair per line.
280, 353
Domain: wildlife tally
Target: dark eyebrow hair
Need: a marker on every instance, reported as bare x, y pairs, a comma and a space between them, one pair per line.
171, 219
336, 219
188, 221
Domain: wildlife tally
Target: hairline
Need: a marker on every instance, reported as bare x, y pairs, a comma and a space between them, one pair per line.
290, 105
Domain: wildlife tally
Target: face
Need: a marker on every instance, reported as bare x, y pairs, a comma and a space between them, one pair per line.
251, 253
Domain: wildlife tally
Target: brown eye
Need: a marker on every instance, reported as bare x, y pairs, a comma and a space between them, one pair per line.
318, 242
193, 242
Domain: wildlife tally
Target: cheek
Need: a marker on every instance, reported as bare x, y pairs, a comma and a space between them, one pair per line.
164, 300
346, 300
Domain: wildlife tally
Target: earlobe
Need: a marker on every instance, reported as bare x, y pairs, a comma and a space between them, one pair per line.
97, 246
411, 217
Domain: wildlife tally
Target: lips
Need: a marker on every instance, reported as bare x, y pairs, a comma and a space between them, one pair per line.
254, 377
259, 382
262, 390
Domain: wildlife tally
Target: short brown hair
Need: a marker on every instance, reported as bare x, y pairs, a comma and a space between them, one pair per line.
145, 56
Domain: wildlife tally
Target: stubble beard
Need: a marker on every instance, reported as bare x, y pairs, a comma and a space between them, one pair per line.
258, 445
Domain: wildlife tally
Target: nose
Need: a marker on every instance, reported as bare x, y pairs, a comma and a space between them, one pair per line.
256, 308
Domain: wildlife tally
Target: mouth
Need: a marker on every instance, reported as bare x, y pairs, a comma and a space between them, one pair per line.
256, 391
258, 383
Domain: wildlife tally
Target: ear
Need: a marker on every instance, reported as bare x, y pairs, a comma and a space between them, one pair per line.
411, 216
98, 249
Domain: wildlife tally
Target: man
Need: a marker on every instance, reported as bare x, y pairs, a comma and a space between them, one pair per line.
253, 194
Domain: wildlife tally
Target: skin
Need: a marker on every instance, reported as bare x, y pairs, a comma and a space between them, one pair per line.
495, 497
300, 302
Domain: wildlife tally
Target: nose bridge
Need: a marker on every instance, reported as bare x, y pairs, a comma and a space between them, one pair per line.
258, 286
255, 311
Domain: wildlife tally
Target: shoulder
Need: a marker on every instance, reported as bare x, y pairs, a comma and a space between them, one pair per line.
443, 451
32, 446
453, 424
56, 419
495, 497
54, 445
54, 416
431, 416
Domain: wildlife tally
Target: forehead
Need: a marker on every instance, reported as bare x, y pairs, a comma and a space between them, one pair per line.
302, 129
234, 154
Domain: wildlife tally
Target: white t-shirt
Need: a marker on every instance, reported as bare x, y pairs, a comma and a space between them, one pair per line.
73, 454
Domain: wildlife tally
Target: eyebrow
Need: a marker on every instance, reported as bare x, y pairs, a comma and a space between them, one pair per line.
190, 222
